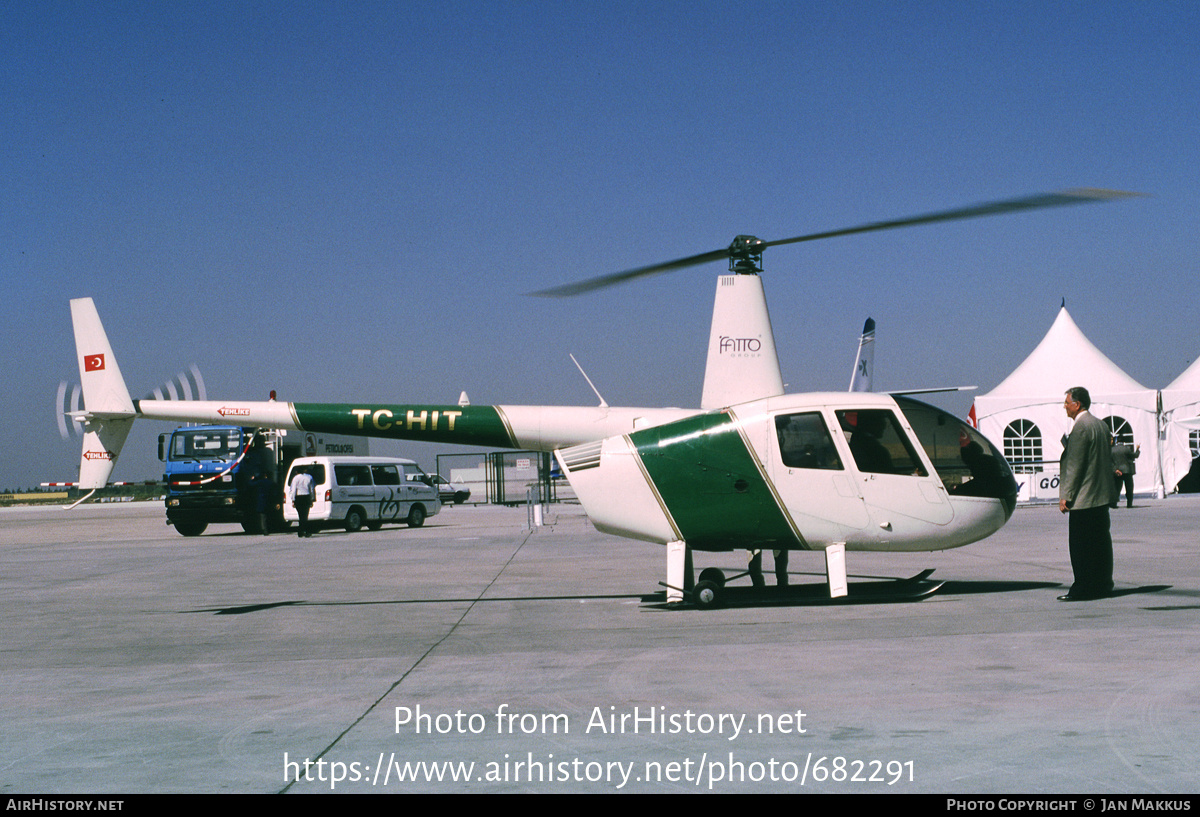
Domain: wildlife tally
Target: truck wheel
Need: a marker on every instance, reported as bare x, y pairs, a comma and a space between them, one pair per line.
416, 516
191, 528
354, 520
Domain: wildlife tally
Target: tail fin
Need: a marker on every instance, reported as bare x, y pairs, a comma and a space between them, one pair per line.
864, 364
109, 410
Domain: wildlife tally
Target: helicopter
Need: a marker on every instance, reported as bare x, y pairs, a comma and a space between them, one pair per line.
752, 468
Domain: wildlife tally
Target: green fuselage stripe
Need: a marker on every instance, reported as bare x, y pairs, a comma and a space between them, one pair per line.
469, 425
713, 485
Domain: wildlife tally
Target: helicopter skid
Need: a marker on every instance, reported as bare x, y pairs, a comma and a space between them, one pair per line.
708, 594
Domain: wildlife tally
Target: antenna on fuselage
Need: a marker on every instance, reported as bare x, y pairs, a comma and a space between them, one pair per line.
603, 402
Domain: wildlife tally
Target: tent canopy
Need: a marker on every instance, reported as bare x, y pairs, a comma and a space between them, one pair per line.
1024, 414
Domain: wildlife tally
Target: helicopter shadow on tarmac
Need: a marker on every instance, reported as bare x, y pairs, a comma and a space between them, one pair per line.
872, 590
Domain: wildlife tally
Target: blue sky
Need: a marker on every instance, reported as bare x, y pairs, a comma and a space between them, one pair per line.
349, 201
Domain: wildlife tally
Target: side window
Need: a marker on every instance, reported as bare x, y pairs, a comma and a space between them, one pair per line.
804, 442
878, 443
385, 474
351, 475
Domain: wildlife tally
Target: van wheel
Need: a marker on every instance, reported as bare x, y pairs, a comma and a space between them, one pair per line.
375, 524
191, 528
416, 516
354, 520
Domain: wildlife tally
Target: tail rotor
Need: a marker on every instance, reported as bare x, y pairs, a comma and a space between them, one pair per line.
68, 410
186, 385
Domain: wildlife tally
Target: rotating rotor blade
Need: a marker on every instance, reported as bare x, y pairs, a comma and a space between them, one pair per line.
1078, 196
991, 208
198, 379
60, 409
68, 426
628, 275
187, 385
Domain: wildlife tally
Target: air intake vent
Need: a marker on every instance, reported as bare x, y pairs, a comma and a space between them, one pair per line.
581, 457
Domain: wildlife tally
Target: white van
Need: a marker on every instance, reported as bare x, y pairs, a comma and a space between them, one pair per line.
357, 491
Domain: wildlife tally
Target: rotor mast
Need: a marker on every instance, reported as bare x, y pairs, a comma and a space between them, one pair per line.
745, 255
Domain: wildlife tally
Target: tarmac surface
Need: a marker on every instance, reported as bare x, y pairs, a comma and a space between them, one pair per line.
136, 660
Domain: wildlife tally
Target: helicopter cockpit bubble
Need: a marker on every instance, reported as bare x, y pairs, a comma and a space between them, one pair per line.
966, 461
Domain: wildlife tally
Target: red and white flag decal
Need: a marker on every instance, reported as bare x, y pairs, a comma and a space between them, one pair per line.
93, 363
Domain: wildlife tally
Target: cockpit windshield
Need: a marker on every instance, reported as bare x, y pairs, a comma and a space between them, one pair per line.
968, 464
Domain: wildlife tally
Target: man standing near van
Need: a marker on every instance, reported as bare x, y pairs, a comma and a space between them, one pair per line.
300, 494
1085, 490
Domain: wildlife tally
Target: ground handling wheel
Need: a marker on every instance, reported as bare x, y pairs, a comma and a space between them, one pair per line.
706, 595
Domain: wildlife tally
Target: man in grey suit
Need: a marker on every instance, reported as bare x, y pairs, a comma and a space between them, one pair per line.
1085, 490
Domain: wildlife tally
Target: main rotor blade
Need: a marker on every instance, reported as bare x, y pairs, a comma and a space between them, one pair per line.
612, 279
993, 208
1079, 196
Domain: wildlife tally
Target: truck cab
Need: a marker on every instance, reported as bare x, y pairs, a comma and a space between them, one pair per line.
221, 474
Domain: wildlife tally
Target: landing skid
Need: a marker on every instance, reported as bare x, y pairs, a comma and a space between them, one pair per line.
712, 591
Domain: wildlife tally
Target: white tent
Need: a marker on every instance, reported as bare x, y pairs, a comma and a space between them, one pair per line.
1180, 410
1024, 415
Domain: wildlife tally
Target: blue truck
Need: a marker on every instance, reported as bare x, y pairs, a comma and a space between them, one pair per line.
233, 474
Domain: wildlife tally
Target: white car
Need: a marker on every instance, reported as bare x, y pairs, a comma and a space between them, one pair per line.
450, 492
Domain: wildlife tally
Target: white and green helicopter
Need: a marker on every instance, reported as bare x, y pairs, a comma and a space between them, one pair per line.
752, 468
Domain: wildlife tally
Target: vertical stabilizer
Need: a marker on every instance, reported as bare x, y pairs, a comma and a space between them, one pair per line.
742, 362
109, 411
102, 444
864, 364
